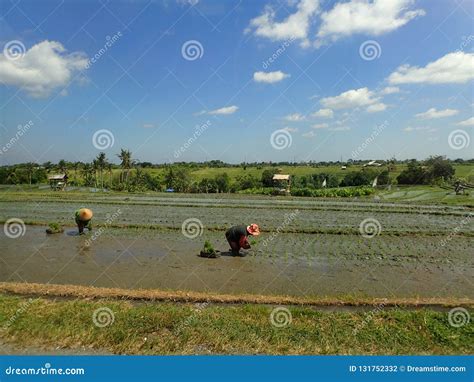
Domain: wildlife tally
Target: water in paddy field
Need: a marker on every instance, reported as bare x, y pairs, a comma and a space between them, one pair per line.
291, 264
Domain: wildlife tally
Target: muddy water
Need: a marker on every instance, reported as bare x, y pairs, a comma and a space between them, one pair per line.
167, 260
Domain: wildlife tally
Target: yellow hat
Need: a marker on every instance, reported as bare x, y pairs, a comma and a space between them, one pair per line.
85, 214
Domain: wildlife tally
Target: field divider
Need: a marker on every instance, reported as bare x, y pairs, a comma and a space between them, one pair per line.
368, 209
79, 291
314, 231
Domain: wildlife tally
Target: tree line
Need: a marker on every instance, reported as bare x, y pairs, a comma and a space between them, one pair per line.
132, 175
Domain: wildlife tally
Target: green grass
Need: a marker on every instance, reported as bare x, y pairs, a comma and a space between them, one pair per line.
178, 328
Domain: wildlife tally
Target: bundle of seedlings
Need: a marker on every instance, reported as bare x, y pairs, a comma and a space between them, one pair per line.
209, 251
54, 228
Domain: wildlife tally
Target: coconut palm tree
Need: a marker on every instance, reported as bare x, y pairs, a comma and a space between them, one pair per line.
126, 163
30, 168
101, 162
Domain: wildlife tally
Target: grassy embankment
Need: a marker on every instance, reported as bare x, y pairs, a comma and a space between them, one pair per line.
185, 328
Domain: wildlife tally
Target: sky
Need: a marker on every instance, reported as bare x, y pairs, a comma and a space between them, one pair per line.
249, 80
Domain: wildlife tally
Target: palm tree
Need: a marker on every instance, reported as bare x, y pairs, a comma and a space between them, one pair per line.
101, 164
62, 166
30, 168
126, 163
110, 171
76, 166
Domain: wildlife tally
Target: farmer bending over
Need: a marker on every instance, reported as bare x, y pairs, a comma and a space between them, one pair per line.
83, 219
237, 236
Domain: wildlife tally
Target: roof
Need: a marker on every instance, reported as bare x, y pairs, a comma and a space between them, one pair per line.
57, 177
281, 177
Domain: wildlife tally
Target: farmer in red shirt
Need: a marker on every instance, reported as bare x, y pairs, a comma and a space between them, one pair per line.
237, 236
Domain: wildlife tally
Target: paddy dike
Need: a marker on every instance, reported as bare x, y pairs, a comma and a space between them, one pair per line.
290, 264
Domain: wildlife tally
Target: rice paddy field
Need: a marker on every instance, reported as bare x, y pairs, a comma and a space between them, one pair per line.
387, 246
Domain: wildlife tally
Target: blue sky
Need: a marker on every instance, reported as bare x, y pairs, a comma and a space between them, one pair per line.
191, 80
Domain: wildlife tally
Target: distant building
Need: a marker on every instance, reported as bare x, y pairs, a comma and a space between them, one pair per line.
282, 183
58, 182
372, 163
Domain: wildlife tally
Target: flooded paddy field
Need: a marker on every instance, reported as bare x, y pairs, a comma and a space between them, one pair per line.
307, 247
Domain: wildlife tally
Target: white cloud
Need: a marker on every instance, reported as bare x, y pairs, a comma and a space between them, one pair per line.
453, 68
372, 18
269, 77
43, 68
340, 128
364, 17
200, 113
376, 107
467, 122
390, 90
323, 113
295, 26
320, 126
351, 99
309, 134
224, 110
419, 128
291, 129
297, 117
434, 114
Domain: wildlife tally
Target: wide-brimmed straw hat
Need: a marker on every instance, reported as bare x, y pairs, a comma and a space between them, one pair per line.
85, 214
253, 229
